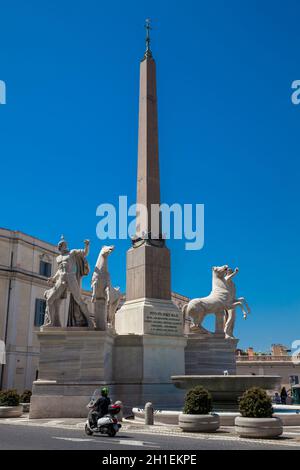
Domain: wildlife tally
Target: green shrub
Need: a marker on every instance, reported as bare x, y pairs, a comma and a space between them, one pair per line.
25, 397
198, 401
9, 398
255, 403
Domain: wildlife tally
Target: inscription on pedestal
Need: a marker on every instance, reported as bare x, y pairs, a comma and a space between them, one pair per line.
163, 323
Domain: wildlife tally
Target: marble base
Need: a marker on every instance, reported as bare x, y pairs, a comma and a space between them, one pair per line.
53, 400
143, 366
76, 361
149, 317
147, 359
73, 363
75, 354
206, 355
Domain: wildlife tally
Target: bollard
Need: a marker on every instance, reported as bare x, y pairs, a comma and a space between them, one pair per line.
120, 415
149, 411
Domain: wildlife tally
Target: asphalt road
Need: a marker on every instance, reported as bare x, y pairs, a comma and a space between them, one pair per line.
42, 438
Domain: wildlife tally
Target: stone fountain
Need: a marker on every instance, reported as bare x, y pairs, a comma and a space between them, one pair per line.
226, 389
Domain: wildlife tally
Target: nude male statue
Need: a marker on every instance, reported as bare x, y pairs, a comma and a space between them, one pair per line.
72, 266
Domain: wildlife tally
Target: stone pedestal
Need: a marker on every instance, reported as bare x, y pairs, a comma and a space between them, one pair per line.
76, 361
73, 363
149, 316
206, 355
148, 273
143, 366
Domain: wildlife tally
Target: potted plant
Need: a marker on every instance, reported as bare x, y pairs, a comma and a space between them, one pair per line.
197, 416
256, 418
10, 404
25, 400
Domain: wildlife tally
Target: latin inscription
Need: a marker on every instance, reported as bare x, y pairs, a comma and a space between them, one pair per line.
163, 323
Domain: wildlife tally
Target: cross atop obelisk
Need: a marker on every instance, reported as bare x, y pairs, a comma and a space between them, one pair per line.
148, 52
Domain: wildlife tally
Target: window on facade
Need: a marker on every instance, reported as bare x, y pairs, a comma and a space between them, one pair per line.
45, 269
40, 307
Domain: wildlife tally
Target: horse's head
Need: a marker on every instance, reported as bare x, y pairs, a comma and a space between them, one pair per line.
106, 250
220, 271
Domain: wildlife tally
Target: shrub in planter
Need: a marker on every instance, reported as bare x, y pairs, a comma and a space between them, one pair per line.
255, 403
197, 401
26, 396
197, 416
9, 398
10, 404
256, 418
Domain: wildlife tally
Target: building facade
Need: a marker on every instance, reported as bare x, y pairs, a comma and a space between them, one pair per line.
277, 362
25, 265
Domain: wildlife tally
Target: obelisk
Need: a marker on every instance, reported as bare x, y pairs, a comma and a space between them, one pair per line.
148, 262
148, 308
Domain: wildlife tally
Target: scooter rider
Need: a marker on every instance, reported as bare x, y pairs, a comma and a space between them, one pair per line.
100, 407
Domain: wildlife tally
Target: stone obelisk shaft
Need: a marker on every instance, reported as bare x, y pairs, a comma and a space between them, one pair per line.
148, 184
148, 261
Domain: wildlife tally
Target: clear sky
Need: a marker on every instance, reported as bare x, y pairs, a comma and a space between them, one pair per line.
228, 135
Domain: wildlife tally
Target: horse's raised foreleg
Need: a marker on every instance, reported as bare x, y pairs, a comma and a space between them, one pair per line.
238, 303
242, 299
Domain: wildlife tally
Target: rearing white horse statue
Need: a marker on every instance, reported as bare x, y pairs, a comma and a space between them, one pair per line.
219, 300
105, 297
101, 277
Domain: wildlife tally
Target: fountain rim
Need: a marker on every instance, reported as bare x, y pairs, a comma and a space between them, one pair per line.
227, 377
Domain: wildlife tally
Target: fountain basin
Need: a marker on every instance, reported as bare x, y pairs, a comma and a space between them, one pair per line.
226, 389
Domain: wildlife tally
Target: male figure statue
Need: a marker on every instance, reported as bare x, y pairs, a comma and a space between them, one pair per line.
241, 301
72, 266
230, 314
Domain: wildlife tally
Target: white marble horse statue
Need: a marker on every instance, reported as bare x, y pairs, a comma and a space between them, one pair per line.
220, 299
105, 297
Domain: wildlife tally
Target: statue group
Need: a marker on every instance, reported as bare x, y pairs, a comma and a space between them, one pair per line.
72, 265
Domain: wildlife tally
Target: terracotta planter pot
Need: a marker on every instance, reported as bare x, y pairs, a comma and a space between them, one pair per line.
199, 423
258, 427
11, 411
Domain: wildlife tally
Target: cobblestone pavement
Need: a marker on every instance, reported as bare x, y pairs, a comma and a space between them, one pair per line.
290, 437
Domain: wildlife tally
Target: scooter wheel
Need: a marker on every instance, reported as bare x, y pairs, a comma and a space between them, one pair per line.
88, 431
112, 433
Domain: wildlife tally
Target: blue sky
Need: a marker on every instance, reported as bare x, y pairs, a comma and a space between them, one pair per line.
228, 135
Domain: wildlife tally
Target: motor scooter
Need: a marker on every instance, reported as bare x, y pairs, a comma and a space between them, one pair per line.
108, 424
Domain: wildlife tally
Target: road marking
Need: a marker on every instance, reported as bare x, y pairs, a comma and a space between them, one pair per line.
126, 442
53, 423
138, 443
16, 420
114, 441
74, 439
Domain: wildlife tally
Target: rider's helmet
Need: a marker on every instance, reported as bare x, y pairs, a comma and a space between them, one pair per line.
104, 391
